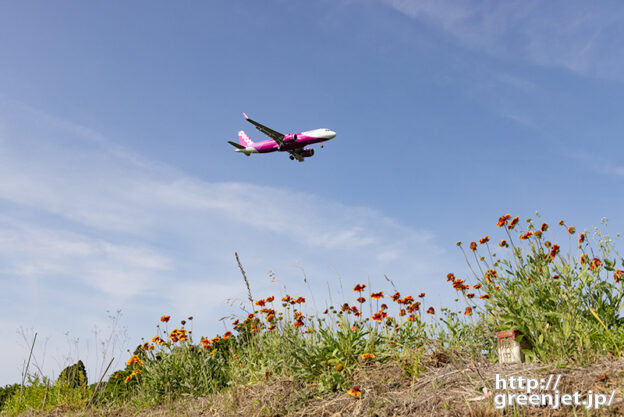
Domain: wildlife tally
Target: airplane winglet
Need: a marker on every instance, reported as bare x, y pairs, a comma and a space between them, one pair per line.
245, 116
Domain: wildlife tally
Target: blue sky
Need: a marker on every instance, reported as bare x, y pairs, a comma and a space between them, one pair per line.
118, 189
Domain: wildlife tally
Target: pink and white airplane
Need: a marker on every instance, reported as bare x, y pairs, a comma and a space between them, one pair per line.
293, 143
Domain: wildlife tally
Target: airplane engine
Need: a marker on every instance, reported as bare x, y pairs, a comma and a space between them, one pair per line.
307, 152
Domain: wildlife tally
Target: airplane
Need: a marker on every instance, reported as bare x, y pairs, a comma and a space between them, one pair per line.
293, 143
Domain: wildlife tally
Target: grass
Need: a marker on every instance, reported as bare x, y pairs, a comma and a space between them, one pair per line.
566, 304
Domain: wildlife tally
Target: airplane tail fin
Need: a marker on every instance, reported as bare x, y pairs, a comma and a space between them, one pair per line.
244, 139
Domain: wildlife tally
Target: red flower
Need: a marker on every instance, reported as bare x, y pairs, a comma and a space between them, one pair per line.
470, 295
584, 259
407, 299
473, 246
450, 277
430, 310
484, 240
421, 295
300, 300
514, 222
571, 230
396, 296
502, 221
227, 335
554, 251
359, 287
270, 299
526, 235
298, 323
361, 300
485, 296
477, 286
595, 264
260, 302
544, 227
286, 298
377, 295
581, 238
503, 244
618, 275
468, 311
165, 319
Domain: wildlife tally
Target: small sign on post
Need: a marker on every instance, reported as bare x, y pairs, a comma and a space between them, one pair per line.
510, 350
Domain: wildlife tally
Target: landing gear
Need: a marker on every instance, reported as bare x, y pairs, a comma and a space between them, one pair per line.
292, 158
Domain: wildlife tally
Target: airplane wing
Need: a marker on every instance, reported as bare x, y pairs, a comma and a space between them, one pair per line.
276, 136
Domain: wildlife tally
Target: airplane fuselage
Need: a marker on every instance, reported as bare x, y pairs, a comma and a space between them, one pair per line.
293, 143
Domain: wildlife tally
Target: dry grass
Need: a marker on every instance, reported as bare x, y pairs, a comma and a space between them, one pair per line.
448, 386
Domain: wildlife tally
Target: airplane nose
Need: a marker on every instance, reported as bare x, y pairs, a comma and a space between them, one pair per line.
332, 134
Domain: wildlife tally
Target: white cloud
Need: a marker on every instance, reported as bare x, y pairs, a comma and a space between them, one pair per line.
577, 36
88, 226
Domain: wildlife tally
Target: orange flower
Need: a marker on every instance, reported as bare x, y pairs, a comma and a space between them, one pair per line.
503, 244
227, 335
458, 284
554, 251
402, 312
485, 296
411, 317
165, 319
450, 277
595, 264
271, 327
484, 240
355, 392
117, 375
526, 235
473, 246
584, 259
396, 296
128, 378
286, 298
270, 299
544, 227
571, 230
477, 286
421, 295
377, 295
368, 356
430, 310
538, 234
300, 300
618, 275
361, 300
514, 222
581, 238
407, 299
260, 303
470, 295
555, 276
502, 221
134, 360
298, 323
468, 311
359, 287
547, 243
490, 275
